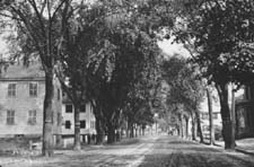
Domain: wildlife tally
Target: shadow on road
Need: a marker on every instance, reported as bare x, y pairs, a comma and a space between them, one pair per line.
176, 152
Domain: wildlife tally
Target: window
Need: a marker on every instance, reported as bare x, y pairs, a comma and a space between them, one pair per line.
33, 89
68, 108
67, 124
12, 90
83, 108
10, 117
32, 117
83, 124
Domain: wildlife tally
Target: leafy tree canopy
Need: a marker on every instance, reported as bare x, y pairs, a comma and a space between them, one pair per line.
185, 92
222, 33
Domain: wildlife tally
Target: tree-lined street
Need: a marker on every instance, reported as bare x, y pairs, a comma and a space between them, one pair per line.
106, 54
149, 151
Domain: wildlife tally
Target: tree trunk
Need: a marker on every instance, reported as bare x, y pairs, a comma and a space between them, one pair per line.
100, 130
199, 129
77, 145
121, 133
178, 131
59, 141
111, 133
210, 110
48, 141
228, 128
100, 134
187, 127
136, 132
237, 127
128, 130
140, 131
143, 130
131, 129
193, 128
181, 126
99, 124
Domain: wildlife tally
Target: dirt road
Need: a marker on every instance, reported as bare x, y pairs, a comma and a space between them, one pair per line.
175, 152
151, 151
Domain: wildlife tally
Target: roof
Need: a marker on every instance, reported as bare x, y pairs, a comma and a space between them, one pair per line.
21, 72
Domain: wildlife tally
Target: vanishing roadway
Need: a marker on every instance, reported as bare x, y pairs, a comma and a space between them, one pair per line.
149, 151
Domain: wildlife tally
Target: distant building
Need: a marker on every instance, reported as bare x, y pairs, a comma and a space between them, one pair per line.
204, 117
87, 119
215, 109
21, 102
244, 113
216, 118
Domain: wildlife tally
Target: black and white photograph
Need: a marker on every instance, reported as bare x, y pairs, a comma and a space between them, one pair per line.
126, 83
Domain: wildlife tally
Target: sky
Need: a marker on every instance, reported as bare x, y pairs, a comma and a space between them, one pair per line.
172, 48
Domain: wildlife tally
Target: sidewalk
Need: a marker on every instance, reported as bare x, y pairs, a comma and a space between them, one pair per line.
243, 145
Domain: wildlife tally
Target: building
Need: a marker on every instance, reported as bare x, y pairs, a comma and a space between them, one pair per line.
204, 114
217, 120
244, 107
21, 102
87, 120
244, 113
21, 105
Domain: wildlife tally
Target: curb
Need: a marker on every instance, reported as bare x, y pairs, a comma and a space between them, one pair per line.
238, 150
245, 151
220, 146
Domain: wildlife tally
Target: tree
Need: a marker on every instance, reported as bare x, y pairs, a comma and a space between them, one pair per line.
130, 23
185, 91
223, 38
210, 111
126, 53
143, 99
80, 39
130, 63
40, 26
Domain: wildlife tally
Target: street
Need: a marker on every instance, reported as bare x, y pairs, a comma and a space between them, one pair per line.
150, 151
